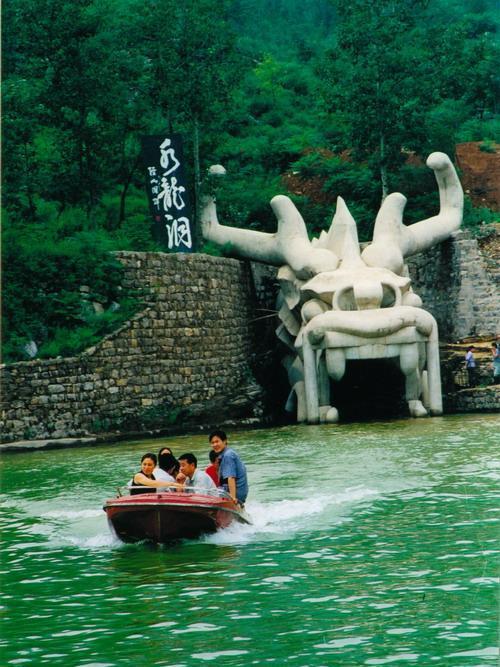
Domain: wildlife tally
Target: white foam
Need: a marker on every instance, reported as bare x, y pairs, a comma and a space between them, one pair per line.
87, 527
489, 652
265, 514
94, 542
218, 654
289, 516
73, 514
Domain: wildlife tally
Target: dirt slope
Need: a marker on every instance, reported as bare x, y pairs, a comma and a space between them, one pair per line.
480, 173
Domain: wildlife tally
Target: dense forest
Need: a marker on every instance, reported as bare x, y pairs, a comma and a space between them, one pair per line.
338, 94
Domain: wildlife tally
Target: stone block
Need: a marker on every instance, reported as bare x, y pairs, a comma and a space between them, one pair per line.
56, 388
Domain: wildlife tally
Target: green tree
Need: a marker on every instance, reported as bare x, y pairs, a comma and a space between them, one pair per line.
378, 75
42, 279
239, 79
193, 65
406, 75
73, 80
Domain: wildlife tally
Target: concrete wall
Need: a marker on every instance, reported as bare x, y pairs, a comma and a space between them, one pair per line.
189, 349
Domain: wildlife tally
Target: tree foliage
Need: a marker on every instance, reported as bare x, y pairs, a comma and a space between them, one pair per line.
334, 92
406, 73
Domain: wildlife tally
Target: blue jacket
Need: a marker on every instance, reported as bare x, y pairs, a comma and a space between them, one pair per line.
230, 465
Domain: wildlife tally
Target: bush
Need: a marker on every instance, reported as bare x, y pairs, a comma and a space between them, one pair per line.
43, 276
68, 342
488, 146
477, 129
477, 220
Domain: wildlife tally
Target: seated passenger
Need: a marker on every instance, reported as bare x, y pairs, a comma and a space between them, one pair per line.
146, 478
190, 476
168, 466
213, 469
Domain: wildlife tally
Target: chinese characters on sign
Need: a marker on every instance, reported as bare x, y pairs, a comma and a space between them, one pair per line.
168, 197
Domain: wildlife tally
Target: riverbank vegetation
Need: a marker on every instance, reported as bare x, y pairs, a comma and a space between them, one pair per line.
313, 98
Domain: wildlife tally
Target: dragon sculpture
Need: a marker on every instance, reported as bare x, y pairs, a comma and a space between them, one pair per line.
338, 303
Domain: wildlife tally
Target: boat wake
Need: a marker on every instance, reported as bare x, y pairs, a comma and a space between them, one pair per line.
87, 528
48, 521
284, 518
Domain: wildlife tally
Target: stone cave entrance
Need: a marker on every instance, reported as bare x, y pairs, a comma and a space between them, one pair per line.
370, 389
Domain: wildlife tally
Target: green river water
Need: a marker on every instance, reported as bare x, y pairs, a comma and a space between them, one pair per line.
371, 544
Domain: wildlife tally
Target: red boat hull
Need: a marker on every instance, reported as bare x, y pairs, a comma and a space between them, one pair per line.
165, 517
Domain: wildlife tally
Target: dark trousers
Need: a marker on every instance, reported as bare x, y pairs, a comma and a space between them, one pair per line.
471, 372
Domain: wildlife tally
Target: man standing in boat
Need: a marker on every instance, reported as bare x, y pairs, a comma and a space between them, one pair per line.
190, 476
232, 471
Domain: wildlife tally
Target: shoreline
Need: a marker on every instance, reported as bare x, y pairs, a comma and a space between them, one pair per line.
96, 439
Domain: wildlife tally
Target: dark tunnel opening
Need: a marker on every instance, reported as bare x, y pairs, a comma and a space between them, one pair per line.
370, 389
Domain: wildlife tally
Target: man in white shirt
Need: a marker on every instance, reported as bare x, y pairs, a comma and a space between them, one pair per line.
190, 476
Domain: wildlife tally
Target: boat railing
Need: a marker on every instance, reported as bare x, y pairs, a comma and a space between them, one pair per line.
214, 492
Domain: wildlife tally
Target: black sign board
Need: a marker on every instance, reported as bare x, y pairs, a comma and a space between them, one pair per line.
167, 192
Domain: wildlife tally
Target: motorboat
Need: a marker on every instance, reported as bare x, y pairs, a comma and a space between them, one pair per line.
168, 515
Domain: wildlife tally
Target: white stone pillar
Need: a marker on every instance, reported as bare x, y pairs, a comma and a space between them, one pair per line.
311, 382
425, 389
300, 392
335, 363
434, 373
323, 380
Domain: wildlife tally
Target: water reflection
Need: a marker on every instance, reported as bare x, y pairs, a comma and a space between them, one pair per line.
138, 563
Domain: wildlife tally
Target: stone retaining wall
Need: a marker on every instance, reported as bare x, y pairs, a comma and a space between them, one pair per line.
189, 350
477, 399
459, 285
190, 354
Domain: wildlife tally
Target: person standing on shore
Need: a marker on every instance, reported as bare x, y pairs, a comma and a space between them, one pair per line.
495, 354
470, 365
232, 471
